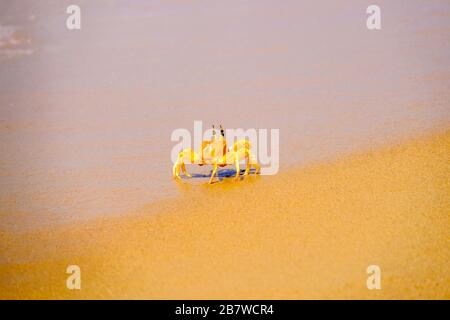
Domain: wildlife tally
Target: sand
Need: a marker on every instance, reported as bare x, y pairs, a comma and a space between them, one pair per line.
86, 118
309, 232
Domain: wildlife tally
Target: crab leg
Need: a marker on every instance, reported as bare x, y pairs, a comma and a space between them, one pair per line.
176, 170
183, 168
247, 164
236, 163
257, 167
252, 162
213, 173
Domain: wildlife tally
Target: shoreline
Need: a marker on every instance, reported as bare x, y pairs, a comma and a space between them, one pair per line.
26, 225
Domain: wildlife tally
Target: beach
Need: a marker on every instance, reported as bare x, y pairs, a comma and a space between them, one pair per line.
307, 233
87, 119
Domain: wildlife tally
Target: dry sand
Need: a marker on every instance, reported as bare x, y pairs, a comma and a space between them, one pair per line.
306, 233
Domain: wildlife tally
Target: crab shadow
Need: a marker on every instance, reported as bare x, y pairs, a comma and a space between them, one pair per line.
221, 174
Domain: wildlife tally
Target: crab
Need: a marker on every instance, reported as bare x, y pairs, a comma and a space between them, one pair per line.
215, 152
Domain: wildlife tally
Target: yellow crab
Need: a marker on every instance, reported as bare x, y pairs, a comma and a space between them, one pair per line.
214, 152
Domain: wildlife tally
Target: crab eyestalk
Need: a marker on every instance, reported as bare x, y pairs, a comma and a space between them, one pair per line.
222, 132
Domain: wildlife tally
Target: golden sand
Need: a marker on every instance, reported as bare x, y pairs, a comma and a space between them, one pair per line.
306, 233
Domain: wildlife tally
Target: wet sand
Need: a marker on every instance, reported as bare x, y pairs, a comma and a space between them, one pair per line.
86, 116
309, 232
